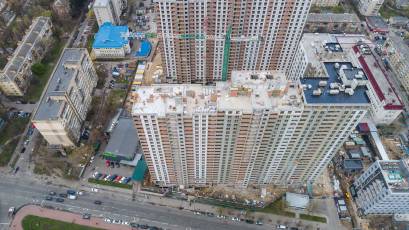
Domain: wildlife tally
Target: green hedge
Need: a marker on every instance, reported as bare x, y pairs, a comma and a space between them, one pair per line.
31, 222
109, 183
313, 218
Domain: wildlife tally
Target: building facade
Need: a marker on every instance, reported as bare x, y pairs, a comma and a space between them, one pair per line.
325, 3
67, 98
111, 42
332, 23
369, 7
203, 41
258, 129
109, 11
398, 58
16, 75
383, 188
317, 49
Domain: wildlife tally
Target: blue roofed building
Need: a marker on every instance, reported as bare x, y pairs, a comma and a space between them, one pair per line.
111, 42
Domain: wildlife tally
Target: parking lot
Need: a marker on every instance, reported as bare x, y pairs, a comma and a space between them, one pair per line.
99, 165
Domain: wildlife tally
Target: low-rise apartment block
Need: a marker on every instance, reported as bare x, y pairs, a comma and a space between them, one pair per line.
16, 75
111, 42
383, 188
258, 129
398, 58
369, 7
317, 49
332, 23
66, 100
325, 3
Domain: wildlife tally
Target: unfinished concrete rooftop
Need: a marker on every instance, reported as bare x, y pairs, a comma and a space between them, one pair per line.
247, 91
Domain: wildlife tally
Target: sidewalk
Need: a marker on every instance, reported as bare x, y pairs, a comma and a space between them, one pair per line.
62, 216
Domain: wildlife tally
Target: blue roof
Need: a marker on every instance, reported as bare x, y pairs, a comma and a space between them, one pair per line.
359, 96
110, 36
144, 49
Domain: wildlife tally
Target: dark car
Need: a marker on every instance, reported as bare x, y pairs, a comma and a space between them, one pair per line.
98, 202
49, 198
71, 192
143, 226
60, 200
86, 216
16, 170
23, 150
62, 195
250, 221
52, 193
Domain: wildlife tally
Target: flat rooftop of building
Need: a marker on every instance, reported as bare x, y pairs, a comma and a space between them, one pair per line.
101, 3
400, 46
395, 173
353, 164
111, 36
61, 78
123, 139
378, 79
247, 91
333, 18
377, 23
28, 42
311, 85
327, 47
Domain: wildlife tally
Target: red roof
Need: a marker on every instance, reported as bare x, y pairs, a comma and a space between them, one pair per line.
374, 83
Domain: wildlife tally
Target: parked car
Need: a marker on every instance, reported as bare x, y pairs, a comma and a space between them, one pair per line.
113, 177
49, 198
60, 200
72, 197
86, 216
23, 150
107, 177
16, 170
52, 193
71, 192
118, 179
63, 195
126, 181
259, 222
98, 202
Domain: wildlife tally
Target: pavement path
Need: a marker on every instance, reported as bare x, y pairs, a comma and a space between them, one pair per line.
62, 216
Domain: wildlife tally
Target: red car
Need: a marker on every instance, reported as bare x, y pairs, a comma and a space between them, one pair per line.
107, 163
118, 178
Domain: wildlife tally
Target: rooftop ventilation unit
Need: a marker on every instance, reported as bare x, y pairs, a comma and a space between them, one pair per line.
322, 83
334, 91
316, 92
349, 91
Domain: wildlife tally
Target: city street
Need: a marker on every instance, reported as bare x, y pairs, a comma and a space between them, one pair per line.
15, 191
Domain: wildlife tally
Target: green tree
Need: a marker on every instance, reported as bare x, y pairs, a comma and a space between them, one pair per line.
38, 69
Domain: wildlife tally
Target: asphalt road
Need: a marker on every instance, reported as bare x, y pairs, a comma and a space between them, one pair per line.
15, 191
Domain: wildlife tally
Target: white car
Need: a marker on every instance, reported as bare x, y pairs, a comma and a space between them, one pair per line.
107, 220
94, 189
125, 223
107, 177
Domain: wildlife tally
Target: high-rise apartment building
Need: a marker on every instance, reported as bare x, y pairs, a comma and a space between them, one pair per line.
66, 100
317, 49
256, 129
203, 41
383, 188
16, 75
325, 3
398, 57
109, 11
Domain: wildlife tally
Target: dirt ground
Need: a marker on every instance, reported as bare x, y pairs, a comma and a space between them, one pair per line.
53, 163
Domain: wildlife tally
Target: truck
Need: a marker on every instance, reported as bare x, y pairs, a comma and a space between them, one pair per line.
72, 197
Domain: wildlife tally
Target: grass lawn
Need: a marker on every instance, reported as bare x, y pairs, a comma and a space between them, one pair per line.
7, 152
31, 222
313, 218
110, 183
13, 128
38, 82
277, 208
